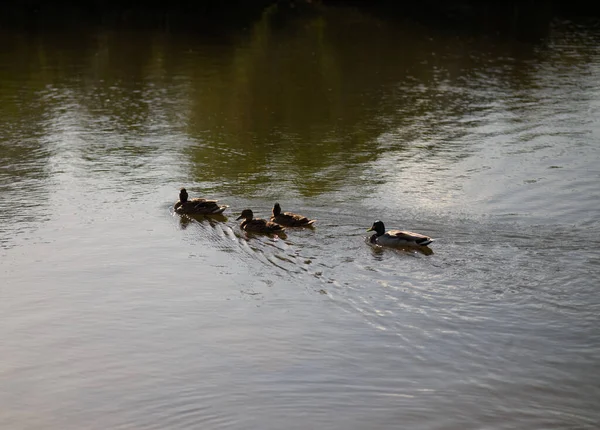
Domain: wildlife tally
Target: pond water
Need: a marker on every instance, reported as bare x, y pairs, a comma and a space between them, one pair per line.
118, 313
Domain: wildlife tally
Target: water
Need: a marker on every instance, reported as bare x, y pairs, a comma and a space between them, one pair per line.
119, 314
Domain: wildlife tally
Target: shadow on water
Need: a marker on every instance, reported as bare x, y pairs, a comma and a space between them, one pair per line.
185, 220
407, 250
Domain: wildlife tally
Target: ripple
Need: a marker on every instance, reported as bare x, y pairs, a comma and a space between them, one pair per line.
119, 313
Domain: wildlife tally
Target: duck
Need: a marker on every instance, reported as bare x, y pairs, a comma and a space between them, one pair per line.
396, 237
258, 225
197, 206
290, 219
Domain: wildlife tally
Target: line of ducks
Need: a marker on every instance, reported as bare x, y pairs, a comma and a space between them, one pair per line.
279, 220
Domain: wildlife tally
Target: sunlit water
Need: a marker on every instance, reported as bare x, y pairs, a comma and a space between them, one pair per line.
117, 313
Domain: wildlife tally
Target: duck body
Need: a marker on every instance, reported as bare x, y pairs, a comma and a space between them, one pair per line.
200, 207
290, 219
258, 225
197, 206
396, 237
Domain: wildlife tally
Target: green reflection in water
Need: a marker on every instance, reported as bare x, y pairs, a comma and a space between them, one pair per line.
312, 99
294, 103
308, 101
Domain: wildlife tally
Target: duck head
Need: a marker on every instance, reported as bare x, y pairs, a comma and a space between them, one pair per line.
276, 209
183, 195
247, 214
378, 228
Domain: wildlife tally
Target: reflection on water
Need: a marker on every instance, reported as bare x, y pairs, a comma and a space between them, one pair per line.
118, 311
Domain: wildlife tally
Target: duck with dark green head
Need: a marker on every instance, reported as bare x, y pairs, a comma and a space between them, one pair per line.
396, 237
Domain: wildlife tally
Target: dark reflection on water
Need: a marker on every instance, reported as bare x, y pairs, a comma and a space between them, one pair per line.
118, 311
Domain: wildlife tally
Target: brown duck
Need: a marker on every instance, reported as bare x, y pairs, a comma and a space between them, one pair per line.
290, 219
197, 206
258, 225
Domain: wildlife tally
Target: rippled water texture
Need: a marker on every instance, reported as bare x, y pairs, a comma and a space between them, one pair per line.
118, 313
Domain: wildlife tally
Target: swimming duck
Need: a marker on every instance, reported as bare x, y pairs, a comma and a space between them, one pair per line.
290, 219
397, 237
197, 206
258, 225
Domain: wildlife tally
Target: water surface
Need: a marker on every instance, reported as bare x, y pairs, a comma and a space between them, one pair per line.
119, 314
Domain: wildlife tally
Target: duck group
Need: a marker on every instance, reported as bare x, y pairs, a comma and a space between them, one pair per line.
280, 220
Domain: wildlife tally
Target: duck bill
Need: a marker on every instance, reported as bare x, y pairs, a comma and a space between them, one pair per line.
238, 218
371, 229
